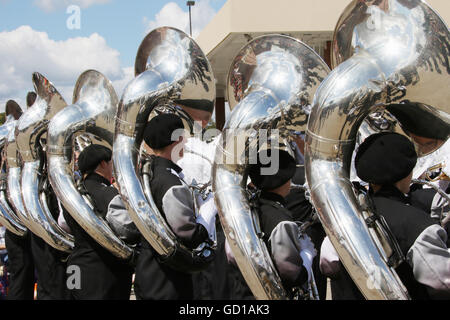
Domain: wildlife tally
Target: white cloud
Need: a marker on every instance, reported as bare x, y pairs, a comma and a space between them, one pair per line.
24, 51
173, 15
52, 5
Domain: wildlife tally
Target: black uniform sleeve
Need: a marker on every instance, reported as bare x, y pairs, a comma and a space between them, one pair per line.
422, 199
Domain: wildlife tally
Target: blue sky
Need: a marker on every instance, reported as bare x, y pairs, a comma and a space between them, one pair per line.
34, 36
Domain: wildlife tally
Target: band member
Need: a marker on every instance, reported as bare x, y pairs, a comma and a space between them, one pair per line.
303, 211
21, 264
155, 280
20, 267
213, 283
50, 263
426, 139
341, 284
386, 161
427, 198
291, 251
50, 284
103, 275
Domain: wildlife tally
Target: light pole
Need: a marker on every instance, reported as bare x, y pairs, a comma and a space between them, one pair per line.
190, 4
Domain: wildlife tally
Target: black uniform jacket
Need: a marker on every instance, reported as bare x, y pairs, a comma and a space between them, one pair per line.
155, 281
20, 267
50, 263
423, 242
103, 275
422, 198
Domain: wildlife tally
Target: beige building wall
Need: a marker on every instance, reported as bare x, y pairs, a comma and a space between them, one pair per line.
268, 16
311, 21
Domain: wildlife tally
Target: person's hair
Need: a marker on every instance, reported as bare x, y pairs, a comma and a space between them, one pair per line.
92, 156
31, 98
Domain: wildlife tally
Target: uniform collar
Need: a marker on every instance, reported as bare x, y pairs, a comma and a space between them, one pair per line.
273, 197
96, 177
390, 191
159, 161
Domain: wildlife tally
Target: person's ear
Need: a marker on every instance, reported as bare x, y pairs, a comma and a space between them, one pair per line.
180, 139
104, 164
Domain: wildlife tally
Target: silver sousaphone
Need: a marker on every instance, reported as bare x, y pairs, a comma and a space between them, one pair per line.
271, 83
13, 176
31, 132
8, 217
386, 52
170, 69
91, 115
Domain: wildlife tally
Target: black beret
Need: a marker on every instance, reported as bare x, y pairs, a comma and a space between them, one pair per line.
91, 156
416, 118
285, 169
385, 158
158, 131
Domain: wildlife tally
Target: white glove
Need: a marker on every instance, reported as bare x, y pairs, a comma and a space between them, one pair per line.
229, 253
327, 251
307, 253
207, 214
61, 221
329, 260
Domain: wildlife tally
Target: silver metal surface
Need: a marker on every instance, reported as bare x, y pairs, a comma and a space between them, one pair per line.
271, 84
13, 176
442, 193
92, 113
170, 67
5, 129
30, 139
8, 217
385, 52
